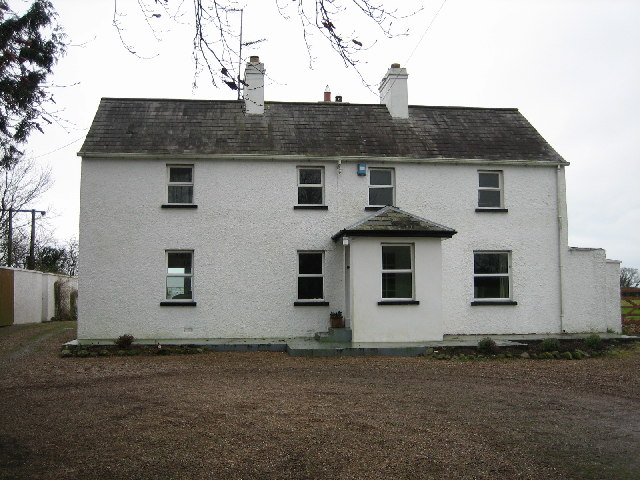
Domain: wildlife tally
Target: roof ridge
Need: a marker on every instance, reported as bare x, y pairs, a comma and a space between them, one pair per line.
284, 102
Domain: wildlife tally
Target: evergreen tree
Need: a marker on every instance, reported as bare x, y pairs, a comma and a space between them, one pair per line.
30, 45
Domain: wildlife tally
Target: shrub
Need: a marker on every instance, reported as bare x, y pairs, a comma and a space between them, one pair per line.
487, 345
61, 299
73, 304
124, 341
566, 355
594, 342
549, 345
66, 353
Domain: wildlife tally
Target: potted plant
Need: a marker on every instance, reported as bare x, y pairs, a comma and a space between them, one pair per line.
337, 320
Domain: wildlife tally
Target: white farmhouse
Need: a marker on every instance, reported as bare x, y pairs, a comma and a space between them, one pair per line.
206, 220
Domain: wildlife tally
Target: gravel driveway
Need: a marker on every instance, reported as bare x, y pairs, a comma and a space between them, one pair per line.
268, 415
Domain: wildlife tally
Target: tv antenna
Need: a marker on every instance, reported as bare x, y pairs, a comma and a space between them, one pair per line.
239, 83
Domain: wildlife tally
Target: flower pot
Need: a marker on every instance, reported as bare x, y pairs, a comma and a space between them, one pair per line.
337, 322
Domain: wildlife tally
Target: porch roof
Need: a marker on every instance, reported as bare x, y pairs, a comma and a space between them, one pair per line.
392, 222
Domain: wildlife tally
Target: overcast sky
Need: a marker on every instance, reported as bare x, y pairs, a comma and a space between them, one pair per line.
572, 67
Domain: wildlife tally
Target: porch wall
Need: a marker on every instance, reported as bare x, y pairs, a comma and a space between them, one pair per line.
371, 322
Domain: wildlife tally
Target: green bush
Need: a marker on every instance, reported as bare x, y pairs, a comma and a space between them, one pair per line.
73, 304
124, 341
66, 353
579, 354
594, 342
488, 345
549, 345
566, 355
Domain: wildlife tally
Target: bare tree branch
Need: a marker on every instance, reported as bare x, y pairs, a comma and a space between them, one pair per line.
216, 42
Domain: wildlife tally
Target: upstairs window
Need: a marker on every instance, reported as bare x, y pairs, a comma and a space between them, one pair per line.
491, 275
490, 190
381, 187
397, 272
180, 184
179, 275
310, 275
310, 186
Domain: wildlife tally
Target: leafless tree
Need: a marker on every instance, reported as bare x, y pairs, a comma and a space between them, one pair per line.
20, 185
216, 33
629, 277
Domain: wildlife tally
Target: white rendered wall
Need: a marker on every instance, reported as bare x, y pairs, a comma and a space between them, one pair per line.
246, 234
371, 322
33, 295
27, 296
613, 313
592, 298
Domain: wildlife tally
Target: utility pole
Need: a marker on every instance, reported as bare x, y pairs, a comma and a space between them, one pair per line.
31, 262
240, 57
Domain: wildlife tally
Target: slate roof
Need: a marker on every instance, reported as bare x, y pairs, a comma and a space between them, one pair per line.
157, 126
393, 222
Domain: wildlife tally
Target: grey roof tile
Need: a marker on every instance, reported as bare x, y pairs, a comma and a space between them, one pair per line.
159, 126
393, 222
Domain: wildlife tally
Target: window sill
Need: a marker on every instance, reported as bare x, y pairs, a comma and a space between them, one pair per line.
493, 302
372, 209
310, 207
492, 210
177, 304
310, 304
178, 205
399, 302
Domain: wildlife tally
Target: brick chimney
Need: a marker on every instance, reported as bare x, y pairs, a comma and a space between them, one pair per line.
254, 88
394, 92
327, 94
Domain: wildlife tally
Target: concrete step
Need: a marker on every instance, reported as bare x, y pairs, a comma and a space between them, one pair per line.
342, 350
334, 335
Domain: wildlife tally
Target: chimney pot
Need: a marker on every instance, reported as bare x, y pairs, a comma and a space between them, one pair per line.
395, 65
254, 59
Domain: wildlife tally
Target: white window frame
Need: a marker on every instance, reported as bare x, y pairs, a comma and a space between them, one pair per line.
307, 185
508, 275
392, 186
178, 275
399, 270
499, 188
180, 184
310, 275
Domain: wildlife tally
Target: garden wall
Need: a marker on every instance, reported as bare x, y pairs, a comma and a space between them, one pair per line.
592, 296
27, 296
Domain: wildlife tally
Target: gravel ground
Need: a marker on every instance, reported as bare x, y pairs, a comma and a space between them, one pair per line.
268, 415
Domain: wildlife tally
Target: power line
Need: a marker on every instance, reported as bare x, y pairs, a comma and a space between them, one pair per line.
425, 32
59, 148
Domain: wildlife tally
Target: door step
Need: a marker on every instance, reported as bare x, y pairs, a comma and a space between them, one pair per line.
334, 335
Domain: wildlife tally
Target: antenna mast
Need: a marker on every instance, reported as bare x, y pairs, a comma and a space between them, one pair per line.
240, 56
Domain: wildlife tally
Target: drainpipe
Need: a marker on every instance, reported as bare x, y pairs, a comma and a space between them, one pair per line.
561, 205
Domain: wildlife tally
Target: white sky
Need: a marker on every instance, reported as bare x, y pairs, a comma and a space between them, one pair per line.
572, 67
